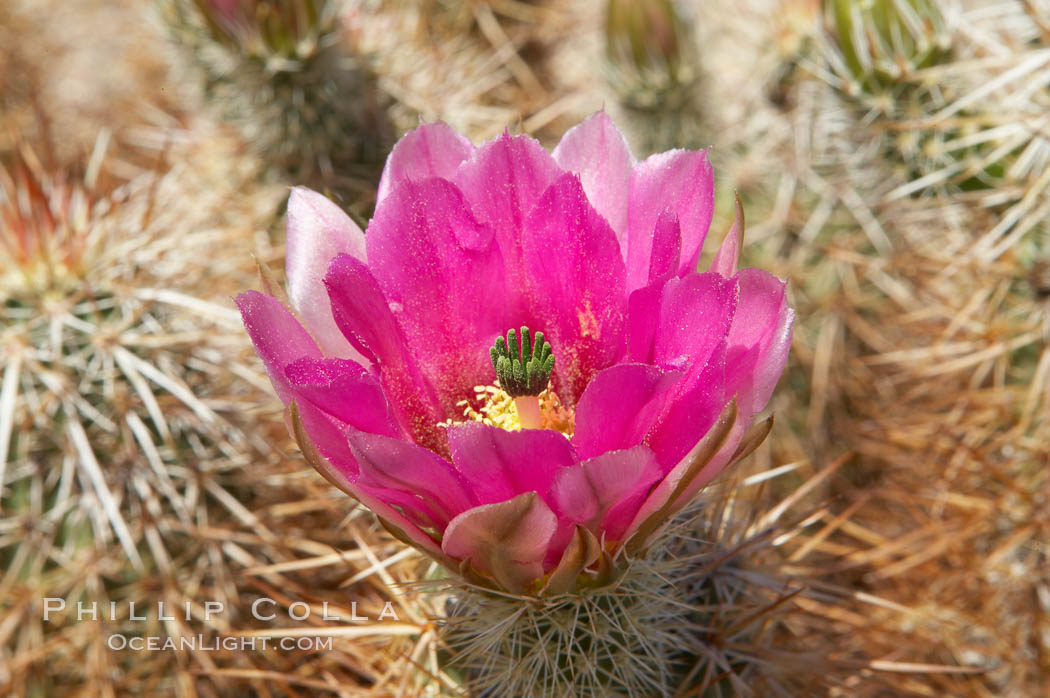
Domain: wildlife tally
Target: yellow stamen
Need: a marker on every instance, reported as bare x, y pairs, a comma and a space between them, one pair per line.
499, 409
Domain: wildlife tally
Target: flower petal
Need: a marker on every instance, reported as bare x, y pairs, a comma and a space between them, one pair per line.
643, 317
603, 493
278, 337
438, 267
346, 391
432, 150
501, 464
362, 313
508, 540
503, 183
619, 407
683, 481
325, 436
398, 465
682, 326
680, 180
597, 151
320, 432
382, 503
670, 411
667, 248
575, 284
759, 339
689, 410
318, 230
345, 478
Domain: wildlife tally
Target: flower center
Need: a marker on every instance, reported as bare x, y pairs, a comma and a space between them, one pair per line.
520, 397
523, 370
493, 406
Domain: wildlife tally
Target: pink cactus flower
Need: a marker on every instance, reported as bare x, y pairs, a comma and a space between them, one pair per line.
514, 468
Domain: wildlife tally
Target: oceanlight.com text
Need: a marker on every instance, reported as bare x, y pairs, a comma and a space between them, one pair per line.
199, 643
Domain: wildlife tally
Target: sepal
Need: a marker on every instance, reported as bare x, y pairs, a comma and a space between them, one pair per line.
582, 552
506, 540
678, 481
727, 259
394, 522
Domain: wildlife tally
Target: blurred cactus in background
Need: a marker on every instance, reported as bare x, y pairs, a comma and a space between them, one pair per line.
795, 29
875, 52
45, 226
648, 47
941, 112
652, 68
908, 201
122, 402
479, 65
794, 24
286, 73
879, 45
278, 33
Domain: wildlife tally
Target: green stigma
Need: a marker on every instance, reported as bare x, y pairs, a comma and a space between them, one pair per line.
522, 369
